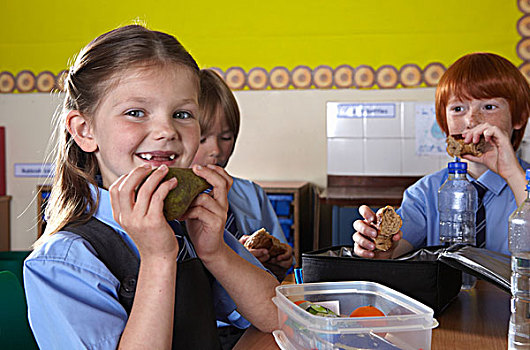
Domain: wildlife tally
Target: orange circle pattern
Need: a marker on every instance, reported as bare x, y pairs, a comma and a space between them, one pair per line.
364, 77
323, 77
301, 77
387, 77
523, 46
278, 78
343, 76
7, 82
524, 5
25, 81
432, 73
257, 78
410, 75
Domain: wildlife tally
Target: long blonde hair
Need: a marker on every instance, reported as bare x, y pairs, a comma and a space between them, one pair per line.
90, 77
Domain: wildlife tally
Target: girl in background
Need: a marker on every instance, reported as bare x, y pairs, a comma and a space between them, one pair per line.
131, 105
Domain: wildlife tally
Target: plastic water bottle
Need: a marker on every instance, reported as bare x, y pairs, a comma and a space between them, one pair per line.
446, 227
457, 205
519, 246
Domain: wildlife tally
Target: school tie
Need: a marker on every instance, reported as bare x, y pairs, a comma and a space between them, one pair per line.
480, 218
230, 225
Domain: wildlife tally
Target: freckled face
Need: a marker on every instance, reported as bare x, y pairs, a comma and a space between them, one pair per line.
466, 114
148, 116
217, 144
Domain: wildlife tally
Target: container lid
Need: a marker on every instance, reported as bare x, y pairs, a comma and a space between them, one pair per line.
407, 314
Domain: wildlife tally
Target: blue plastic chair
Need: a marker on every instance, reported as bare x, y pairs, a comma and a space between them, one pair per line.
15, 333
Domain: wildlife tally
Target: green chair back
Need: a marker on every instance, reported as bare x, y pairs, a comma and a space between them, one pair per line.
14, 327
12, 261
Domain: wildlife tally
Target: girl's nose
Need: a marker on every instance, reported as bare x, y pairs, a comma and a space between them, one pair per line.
164, 129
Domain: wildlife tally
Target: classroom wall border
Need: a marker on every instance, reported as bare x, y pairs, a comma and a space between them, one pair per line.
300, 77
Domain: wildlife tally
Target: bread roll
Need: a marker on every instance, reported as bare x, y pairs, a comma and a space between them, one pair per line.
456, 146
261, 239
388, 223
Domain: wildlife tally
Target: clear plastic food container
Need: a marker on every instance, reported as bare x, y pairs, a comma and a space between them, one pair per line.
407, 323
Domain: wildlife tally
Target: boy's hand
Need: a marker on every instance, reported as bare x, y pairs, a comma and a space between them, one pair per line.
206, 216
141, 214
365, 232
278, 265
499, 155
261, 254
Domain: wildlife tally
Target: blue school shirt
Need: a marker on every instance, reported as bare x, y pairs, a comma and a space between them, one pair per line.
253, 210
72, 296
419, 210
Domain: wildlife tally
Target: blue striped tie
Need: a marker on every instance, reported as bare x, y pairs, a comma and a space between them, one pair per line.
480, 219
230, 225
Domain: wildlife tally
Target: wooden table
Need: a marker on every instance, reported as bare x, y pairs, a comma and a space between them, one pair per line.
477, 319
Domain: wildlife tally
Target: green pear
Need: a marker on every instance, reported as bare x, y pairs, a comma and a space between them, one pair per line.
188, 187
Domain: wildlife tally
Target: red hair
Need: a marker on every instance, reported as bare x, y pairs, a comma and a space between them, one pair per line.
482, 76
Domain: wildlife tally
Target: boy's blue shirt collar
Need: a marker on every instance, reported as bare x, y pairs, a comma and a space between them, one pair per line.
494, 182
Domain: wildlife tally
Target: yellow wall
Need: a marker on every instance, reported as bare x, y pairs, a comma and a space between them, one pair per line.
43, 35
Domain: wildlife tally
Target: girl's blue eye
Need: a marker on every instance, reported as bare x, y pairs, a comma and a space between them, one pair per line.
458, 109
490, 107
182, 115
135, 113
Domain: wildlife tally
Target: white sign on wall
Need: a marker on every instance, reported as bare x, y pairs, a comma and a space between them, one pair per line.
366, 110
33, 170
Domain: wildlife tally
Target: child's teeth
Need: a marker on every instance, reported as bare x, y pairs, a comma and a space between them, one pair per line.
171, 157
147, 156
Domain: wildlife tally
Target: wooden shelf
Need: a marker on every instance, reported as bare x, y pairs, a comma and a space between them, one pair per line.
369, 190
5, 229
302, 203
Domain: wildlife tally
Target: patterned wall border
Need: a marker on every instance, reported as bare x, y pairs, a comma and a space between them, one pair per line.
301, 77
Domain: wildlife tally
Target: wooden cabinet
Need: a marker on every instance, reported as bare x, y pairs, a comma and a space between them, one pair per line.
302, 209
5, 232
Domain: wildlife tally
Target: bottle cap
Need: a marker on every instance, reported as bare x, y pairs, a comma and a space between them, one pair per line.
459, 167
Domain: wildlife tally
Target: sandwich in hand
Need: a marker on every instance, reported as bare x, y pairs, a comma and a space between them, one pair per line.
456, 146
388, 223
261, 239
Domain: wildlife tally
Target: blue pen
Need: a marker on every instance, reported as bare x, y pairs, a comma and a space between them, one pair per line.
298, 277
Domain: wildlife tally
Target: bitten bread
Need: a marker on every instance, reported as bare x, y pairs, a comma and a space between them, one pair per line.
179, 199
261, 239
388, 223
456, 146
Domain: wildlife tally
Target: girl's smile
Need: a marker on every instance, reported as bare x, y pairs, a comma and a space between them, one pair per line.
147, 116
